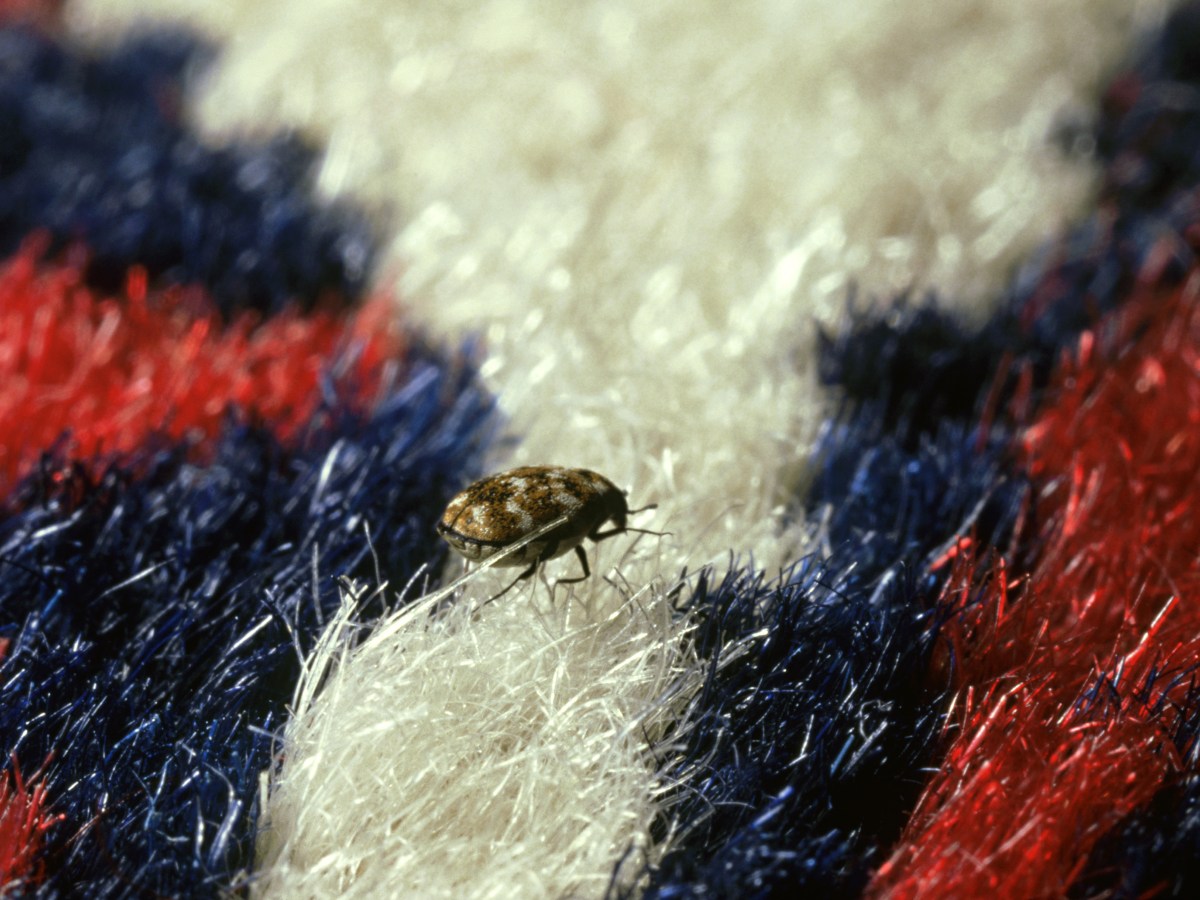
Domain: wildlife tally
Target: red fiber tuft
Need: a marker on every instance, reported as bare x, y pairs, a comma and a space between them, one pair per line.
109, 372
1071, 681
45, 14
24, 819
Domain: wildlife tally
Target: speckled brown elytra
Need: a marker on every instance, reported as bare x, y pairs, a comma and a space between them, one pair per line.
502, 510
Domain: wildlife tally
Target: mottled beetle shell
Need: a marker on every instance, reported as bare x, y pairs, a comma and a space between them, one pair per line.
499, 511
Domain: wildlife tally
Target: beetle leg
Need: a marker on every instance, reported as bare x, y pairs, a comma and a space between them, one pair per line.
597, 535
532, 568
583, 562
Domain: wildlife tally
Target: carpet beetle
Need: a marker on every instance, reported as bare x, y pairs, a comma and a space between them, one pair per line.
501, 510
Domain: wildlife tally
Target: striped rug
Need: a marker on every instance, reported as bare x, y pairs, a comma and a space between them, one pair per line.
889, 311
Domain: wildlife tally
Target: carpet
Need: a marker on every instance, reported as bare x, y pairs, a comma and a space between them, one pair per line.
883, 315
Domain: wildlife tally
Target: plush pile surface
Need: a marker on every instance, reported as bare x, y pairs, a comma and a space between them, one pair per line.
890, 310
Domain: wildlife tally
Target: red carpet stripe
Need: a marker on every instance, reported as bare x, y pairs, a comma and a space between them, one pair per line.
1071, 681
45, 13
108, 372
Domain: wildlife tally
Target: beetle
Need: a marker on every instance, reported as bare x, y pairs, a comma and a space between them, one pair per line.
503, 509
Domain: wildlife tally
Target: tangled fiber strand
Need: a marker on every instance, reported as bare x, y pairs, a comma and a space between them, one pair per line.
104, 373
95, 150
1073, 695
156, 620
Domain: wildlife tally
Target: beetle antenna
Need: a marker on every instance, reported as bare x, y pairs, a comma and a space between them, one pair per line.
642, 509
